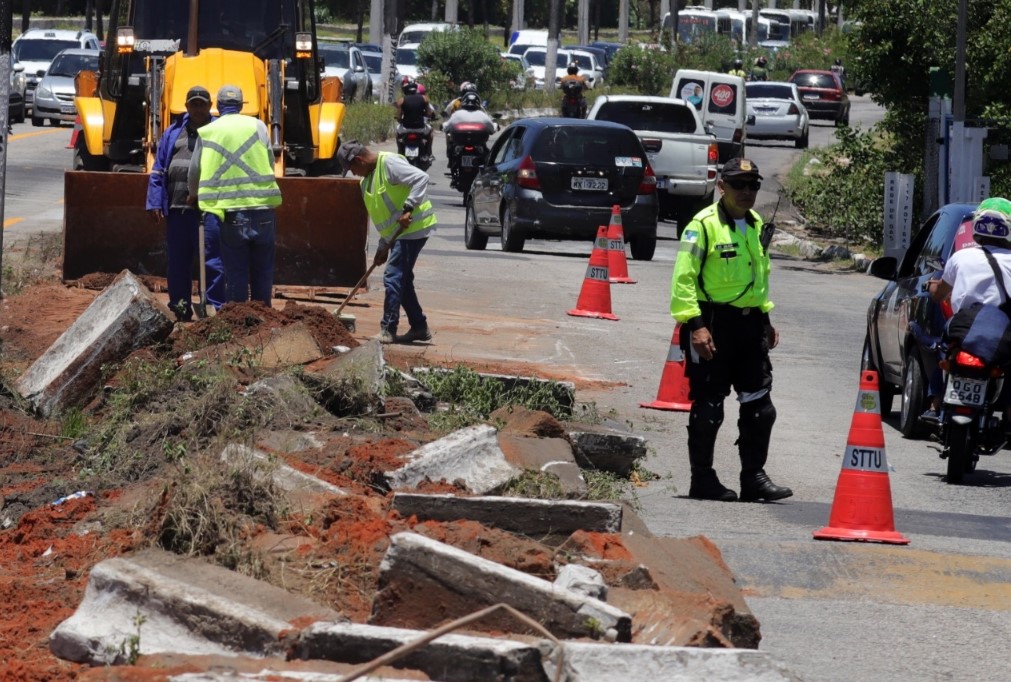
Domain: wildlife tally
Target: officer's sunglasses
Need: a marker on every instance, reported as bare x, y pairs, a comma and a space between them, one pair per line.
753, 185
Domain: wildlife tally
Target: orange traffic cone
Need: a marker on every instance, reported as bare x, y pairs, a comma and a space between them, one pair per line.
673, 393
617, 264
77, 131
862, 508
595, 296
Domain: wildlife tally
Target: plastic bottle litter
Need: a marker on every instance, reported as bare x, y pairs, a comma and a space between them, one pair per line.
73, 496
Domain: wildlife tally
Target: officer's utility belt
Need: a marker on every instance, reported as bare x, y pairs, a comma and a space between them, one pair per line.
726, 309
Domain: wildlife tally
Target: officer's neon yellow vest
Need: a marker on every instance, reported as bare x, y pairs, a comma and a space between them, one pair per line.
225, 182
725, 279
385, 203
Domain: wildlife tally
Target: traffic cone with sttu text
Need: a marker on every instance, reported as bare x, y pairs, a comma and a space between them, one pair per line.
862, 508
617, 264
673, 392
595, 296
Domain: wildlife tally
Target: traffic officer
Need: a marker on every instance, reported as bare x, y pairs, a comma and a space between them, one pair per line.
232, 176
720, 295
396, 197
738, 69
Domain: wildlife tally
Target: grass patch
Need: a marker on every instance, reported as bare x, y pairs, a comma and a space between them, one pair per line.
37, 261
482, 395
367, 122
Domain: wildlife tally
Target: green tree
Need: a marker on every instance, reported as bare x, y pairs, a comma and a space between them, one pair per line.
452, 57
650, 71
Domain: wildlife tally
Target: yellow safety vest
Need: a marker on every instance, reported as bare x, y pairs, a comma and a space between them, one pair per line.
717, 264
235, 173
385, 202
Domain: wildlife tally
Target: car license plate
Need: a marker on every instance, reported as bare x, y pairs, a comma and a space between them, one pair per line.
965, 391
68, 109
411, 152
811, 97
592, 184
661, 183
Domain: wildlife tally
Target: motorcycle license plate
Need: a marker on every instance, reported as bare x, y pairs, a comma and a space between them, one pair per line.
591, 184
467, 161
411, 152
965, 391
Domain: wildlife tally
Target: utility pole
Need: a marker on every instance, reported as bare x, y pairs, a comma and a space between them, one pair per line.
583, 27
753, 38
376, 22
958, 104
554, 34
6, 38
453, 11
623, 21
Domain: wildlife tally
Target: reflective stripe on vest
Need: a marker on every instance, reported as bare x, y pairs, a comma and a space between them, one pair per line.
234, 172
385, 202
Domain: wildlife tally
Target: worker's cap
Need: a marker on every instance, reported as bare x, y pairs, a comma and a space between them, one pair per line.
230, 94
348, 152
740, 167
198, 93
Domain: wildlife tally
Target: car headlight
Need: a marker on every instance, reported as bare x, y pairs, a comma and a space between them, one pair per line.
19, 82
43, 91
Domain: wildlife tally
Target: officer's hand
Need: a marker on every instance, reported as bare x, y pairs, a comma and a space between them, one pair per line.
156, 214
772, 336
702, 342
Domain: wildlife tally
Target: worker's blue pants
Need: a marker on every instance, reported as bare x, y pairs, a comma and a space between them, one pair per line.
183, 247
247, 252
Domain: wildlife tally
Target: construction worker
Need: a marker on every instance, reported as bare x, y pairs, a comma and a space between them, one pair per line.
167, 193
232, 177
720, 295
738, 69
395, 194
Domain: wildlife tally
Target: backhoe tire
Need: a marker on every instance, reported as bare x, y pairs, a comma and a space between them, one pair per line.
84, 161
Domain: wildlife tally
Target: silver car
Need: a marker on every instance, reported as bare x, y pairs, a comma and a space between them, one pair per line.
54, 96
778, 113
16, 99
345, 61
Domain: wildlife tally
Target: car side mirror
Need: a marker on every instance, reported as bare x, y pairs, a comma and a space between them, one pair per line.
750, 120
359, 69
40, 73
885, 267
18, 68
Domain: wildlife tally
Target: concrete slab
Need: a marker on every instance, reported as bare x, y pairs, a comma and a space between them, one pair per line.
124, 317
304, 491
549, 455
523, 515
161, 602
451, 658
588, 662
418, 572
285, 346
361, 369
605, 449
471, 456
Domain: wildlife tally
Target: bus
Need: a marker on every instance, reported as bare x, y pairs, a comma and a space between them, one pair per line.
692, 22
737, 26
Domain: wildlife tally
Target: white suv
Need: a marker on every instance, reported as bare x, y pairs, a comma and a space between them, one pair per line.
36, 47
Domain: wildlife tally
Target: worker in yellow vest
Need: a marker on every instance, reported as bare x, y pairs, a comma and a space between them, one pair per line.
395, 194
232, 176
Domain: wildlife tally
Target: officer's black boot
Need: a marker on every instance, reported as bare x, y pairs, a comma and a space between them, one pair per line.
703, 425
755, 424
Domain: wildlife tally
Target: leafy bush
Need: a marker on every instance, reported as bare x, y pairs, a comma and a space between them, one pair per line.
452, 57
808, 51
367, 122
650, 71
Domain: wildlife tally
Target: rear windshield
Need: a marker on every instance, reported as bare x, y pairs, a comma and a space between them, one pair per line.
339, 57
539, 57
407, 57
771, 90
586, 145
664, 117
70, 64
815, 80
42, 50
373, 61
584, 61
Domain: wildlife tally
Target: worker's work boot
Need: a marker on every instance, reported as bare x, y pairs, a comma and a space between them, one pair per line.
757, 485
415, 334
755, 425
706, 486
703, 425
387, 336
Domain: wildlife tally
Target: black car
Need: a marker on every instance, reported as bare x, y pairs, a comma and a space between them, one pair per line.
903, 322
557, 178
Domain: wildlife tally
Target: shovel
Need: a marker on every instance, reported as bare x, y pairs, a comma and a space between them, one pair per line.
348, 320
201, 307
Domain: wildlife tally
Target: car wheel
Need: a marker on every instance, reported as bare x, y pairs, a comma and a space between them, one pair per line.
914, 398
55, 122
38, 122
512, 241
886, 392
642, 247
802, 141
473, 238
20, 118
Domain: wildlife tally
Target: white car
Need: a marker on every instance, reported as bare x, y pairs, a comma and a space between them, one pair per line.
589, 66
415, 33
407, 61
36, 48
520, 82
536, 57
778, 113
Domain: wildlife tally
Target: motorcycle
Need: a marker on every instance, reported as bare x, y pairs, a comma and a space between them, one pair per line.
970, 424
573, 102
412, 145
470, 147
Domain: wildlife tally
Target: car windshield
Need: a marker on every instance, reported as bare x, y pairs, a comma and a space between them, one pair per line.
539, 57
769, 90
339, 57
69, 65
599, 146
413, 37
585, 61
373, 61
815, 80
42, 50
407, 57
662, 117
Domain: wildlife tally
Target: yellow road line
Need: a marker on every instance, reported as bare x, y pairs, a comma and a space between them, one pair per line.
12, 221
40, 132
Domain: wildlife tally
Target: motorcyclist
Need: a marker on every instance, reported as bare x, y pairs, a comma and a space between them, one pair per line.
738, 69
470, 112
413, 112
465, 87
573, 84
839, 70
760, 71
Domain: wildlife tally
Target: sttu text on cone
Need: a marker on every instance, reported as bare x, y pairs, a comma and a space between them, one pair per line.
617, 263
862, 507
595, 296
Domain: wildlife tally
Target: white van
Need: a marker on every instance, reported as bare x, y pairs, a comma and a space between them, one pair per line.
521, 41
415, 33
720, 101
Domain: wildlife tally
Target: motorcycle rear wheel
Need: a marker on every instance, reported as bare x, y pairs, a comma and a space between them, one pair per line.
960, 447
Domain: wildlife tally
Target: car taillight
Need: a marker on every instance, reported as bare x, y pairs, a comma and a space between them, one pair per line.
652, 144
793, 110
964, 359
648, 184
831, 94
713, 156
526, 174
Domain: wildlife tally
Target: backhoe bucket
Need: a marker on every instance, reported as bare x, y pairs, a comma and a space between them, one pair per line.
322, 229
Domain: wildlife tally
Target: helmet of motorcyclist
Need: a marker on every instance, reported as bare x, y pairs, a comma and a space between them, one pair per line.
992, 225
466, 87
471, 101
761, 61
838, 61
738, 63
421, 88
409, 85
573, 68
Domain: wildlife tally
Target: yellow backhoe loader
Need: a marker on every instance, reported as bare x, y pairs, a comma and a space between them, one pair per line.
156, 51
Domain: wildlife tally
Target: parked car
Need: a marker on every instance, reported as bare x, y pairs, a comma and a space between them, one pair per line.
823, 94
374, 63
520, 82
415, 33
610, 48
589, 66
537, 63
776, 112
903, 321
600, 53
54, 96
36, 48
557, 178
407, 61
345, 61
16, 100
